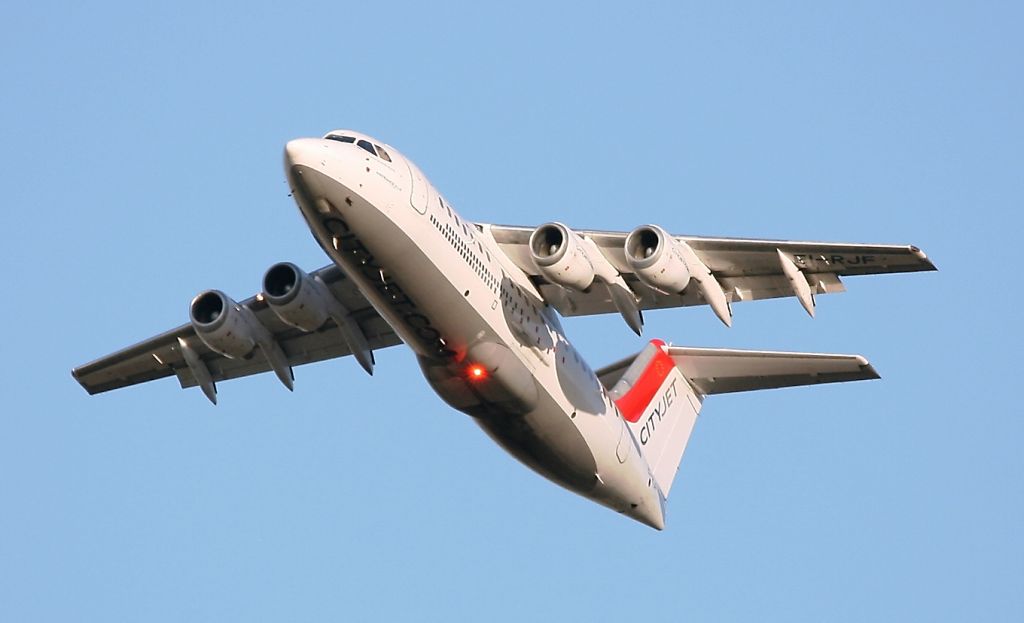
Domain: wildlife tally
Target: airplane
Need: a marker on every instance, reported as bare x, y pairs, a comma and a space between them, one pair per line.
480, 305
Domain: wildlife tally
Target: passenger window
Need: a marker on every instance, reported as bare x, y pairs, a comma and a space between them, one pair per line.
342, 139
383, 154
367, 146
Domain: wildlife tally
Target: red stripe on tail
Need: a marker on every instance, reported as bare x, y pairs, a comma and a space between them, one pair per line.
635, 402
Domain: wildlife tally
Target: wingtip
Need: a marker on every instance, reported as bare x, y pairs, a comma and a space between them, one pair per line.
76, 374
921, 255
868, 370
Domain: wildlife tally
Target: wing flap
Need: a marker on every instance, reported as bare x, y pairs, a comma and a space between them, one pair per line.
737, 289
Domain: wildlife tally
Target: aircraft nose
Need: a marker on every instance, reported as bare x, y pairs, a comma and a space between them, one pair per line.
302, 151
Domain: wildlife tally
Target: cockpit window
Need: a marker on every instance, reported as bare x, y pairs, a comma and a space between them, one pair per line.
376, 150
367, 146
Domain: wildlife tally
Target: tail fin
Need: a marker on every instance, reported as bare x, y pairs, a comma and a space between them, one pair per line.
660, 408
660, 391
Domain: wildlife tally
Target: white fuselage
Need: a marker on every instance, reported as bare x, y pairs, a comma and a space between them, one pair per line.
487, 343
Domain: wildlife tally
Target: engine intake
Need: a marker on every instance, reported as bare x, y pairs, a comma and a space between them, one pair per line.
280, 282
656, 259
219, 323
294, 297
560, 257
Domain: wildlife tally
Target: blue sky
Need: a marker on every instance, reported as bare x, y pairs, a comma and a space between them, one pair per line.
142, 163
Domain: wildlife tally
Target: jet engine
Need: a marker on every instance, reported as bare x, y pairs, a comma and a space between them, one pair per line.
220, 324
657, 260
559, 255
294, 297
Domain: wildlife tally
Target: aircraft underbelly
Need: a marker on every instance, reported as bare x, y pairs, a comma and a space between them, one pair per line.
547, 442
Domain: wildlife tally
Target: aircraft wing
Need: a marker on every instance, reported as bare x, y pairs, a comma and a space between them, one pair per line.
746, 269
164, 355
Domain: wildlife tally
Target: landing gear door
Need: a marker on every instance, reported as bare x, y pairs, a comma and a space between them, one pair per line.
418, 188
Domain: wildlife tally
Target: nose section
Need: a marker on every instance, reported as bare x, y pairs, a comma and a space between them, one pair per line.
304, 151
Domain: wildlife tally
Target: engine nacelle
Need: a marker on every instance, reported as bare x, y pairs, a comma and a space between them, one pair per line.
657, 260
559, 256
220, 324
294, 297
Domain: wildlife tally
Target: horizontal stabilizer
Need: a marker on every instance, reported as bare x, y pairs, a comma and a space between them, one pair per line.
721, 371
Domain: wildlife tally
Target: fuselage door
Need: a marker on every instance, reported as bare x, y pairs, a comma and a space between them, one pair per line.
418, 188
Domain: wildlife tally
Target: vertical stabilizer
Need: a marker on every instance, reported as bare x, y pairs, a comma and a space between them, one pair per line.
660, 407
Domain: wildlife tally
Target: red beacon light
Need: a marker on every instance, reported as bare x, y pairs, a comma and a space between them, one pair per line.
476, 372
